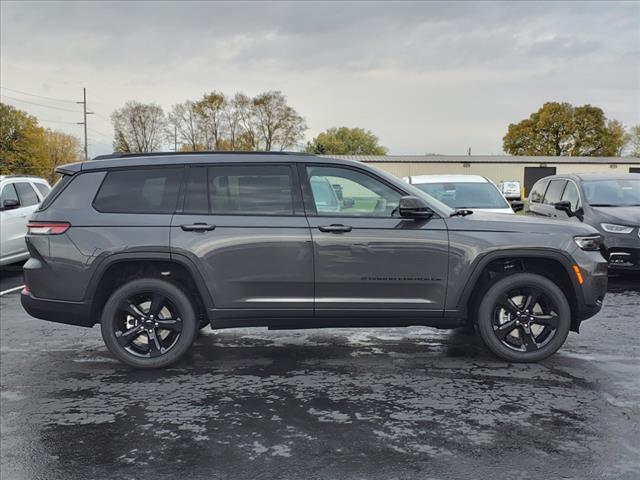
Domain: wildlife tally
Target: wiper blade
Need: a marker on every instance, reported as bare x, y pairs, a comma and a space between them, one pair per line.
461, 212
603, 205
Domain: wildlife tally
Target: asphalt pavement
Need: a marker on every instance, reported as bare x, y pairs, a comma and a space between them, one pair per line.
414, 403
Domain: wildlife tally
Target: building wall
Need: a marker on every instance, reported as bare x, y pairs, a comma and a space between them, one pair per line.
495, 171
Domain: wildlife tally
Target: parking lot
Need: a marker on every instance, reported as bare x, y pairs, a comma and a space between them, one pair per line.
339, 404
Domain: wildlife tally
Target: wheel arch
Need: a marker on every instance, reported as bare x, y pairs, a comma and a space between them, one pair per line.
552, 264
116, 269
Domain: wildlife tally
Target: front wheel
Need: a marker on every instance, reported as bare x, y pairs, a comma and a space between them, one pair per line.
148, 323
524, 318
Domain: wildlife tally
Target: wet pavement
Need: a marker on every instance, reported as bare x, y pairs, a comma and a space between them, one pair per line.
412, 403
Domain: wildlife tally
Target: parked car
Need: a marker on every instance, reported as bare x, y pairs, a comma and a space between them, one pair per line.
19, 198
510, 189
154, 246
608, 202
465, 191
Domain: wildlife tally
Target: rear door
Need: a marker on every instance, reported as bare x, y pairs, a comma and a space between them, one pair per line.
369, 262
14, 221
243, 226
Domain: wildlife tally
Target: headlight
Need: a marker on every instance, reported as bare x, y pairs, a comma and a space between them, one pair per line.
613, 228
591, 242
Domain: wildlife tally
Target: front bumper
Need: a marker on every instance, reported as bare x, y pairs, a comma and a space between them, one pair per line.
590, 295
71, 313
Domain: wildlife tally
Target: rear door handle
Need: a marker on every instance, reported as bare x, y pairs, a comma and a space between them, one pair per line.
335, 228
198, 227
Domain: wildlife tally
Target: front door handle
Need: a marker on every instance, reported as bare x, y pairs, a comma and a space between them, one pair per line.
198, 227
335, 228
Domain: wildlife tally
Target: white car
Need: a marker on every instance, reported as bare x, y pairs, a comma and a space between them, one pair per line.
474, 192
19, 198
510, 189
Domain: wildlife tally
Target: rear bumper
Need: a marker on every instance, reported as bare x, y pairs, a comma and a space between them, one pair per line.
71, 313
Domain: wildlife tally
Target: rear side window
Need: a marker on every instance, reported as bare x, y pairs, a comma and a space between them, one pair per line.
153, 190
554, 192
240, 190
44, 189
537, 193
27, 194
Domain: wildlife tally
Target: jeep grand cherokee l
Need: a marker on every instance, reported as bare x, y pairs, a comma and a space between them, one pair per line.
155, 246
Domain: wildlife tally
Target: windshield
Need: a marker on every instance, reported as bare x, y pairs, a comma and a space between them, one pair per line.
612, 193
465, 195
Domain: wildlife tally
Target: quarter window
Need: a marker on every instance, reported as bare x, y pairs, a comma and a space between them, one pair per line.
346, 192
240, 190
27, 194
153, 190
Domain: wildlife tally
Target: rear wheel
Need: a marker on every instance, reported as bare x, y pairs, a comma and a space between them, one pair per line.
524, 318
149, 323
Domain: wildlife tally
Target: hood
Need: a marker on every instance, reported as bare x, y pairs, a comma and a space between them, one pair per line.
619, 215
499, 222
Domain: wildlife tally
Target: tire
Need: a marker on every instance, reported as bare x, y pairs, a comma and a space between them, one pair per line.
133, 319
514, 335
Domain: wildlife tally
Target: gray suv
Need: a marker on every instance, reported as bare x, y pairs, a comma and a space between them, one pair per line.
155, 246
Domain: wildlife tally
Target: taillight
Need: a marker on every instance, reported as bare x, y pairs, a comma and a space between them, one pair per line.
47, 228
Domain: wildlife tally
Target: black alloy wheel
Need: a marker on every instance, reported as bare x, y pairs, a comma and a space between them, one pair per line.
149, 323
523, 317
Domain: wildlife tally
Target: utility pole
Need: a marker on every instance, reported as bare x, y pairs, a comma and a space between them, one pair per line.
84, 108
175, 138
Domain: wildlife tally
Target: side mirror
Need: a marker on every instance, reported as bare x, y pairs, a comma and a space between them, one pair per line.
414, 207
348, 202
10, 204
564, 206
517, 206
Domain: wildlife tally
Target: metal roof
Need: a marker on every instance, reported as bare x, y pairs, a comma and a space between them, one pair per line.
485, 159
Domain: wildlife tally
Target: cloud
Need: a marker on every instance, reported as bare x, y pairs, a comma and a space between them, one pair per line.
424, 76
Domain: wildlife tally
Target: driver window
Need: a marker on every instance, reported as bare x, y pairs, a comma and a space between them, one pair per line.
343, 192
571, 195
8, 193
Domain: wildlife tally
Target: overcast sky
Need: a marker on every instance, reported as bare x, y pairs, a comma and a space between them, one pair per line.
424, 77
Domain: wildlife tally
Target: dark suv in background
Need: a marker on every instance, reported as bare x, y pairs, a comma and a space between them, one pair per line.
609, 203
155, 246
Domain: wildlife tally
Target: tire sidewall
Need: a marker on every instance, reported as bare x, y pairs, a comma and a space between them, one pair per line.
177, 297
502, 286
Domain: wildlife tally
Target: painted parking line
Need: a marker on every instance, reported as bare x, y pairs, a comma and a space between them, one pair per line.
11, 290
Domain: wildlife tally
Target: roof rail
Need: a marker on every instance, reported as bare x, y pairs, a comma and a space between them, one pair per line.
204, 152
12, 175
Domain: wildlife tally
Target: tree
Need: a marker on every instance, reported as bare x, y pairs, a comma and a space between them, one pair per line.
138, 127
278, 124
562, 129
22, 143
60, 148
186, 121
633, 138
211, 115
346, 141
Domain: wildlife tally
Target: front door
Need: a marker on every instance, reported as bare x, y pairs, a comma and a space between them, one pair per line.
244, 227
368, 261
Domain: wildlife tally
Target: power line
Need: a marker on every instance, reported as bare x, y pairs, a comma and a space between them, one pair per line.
100, 133
40, 104
56, 121
38, 96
